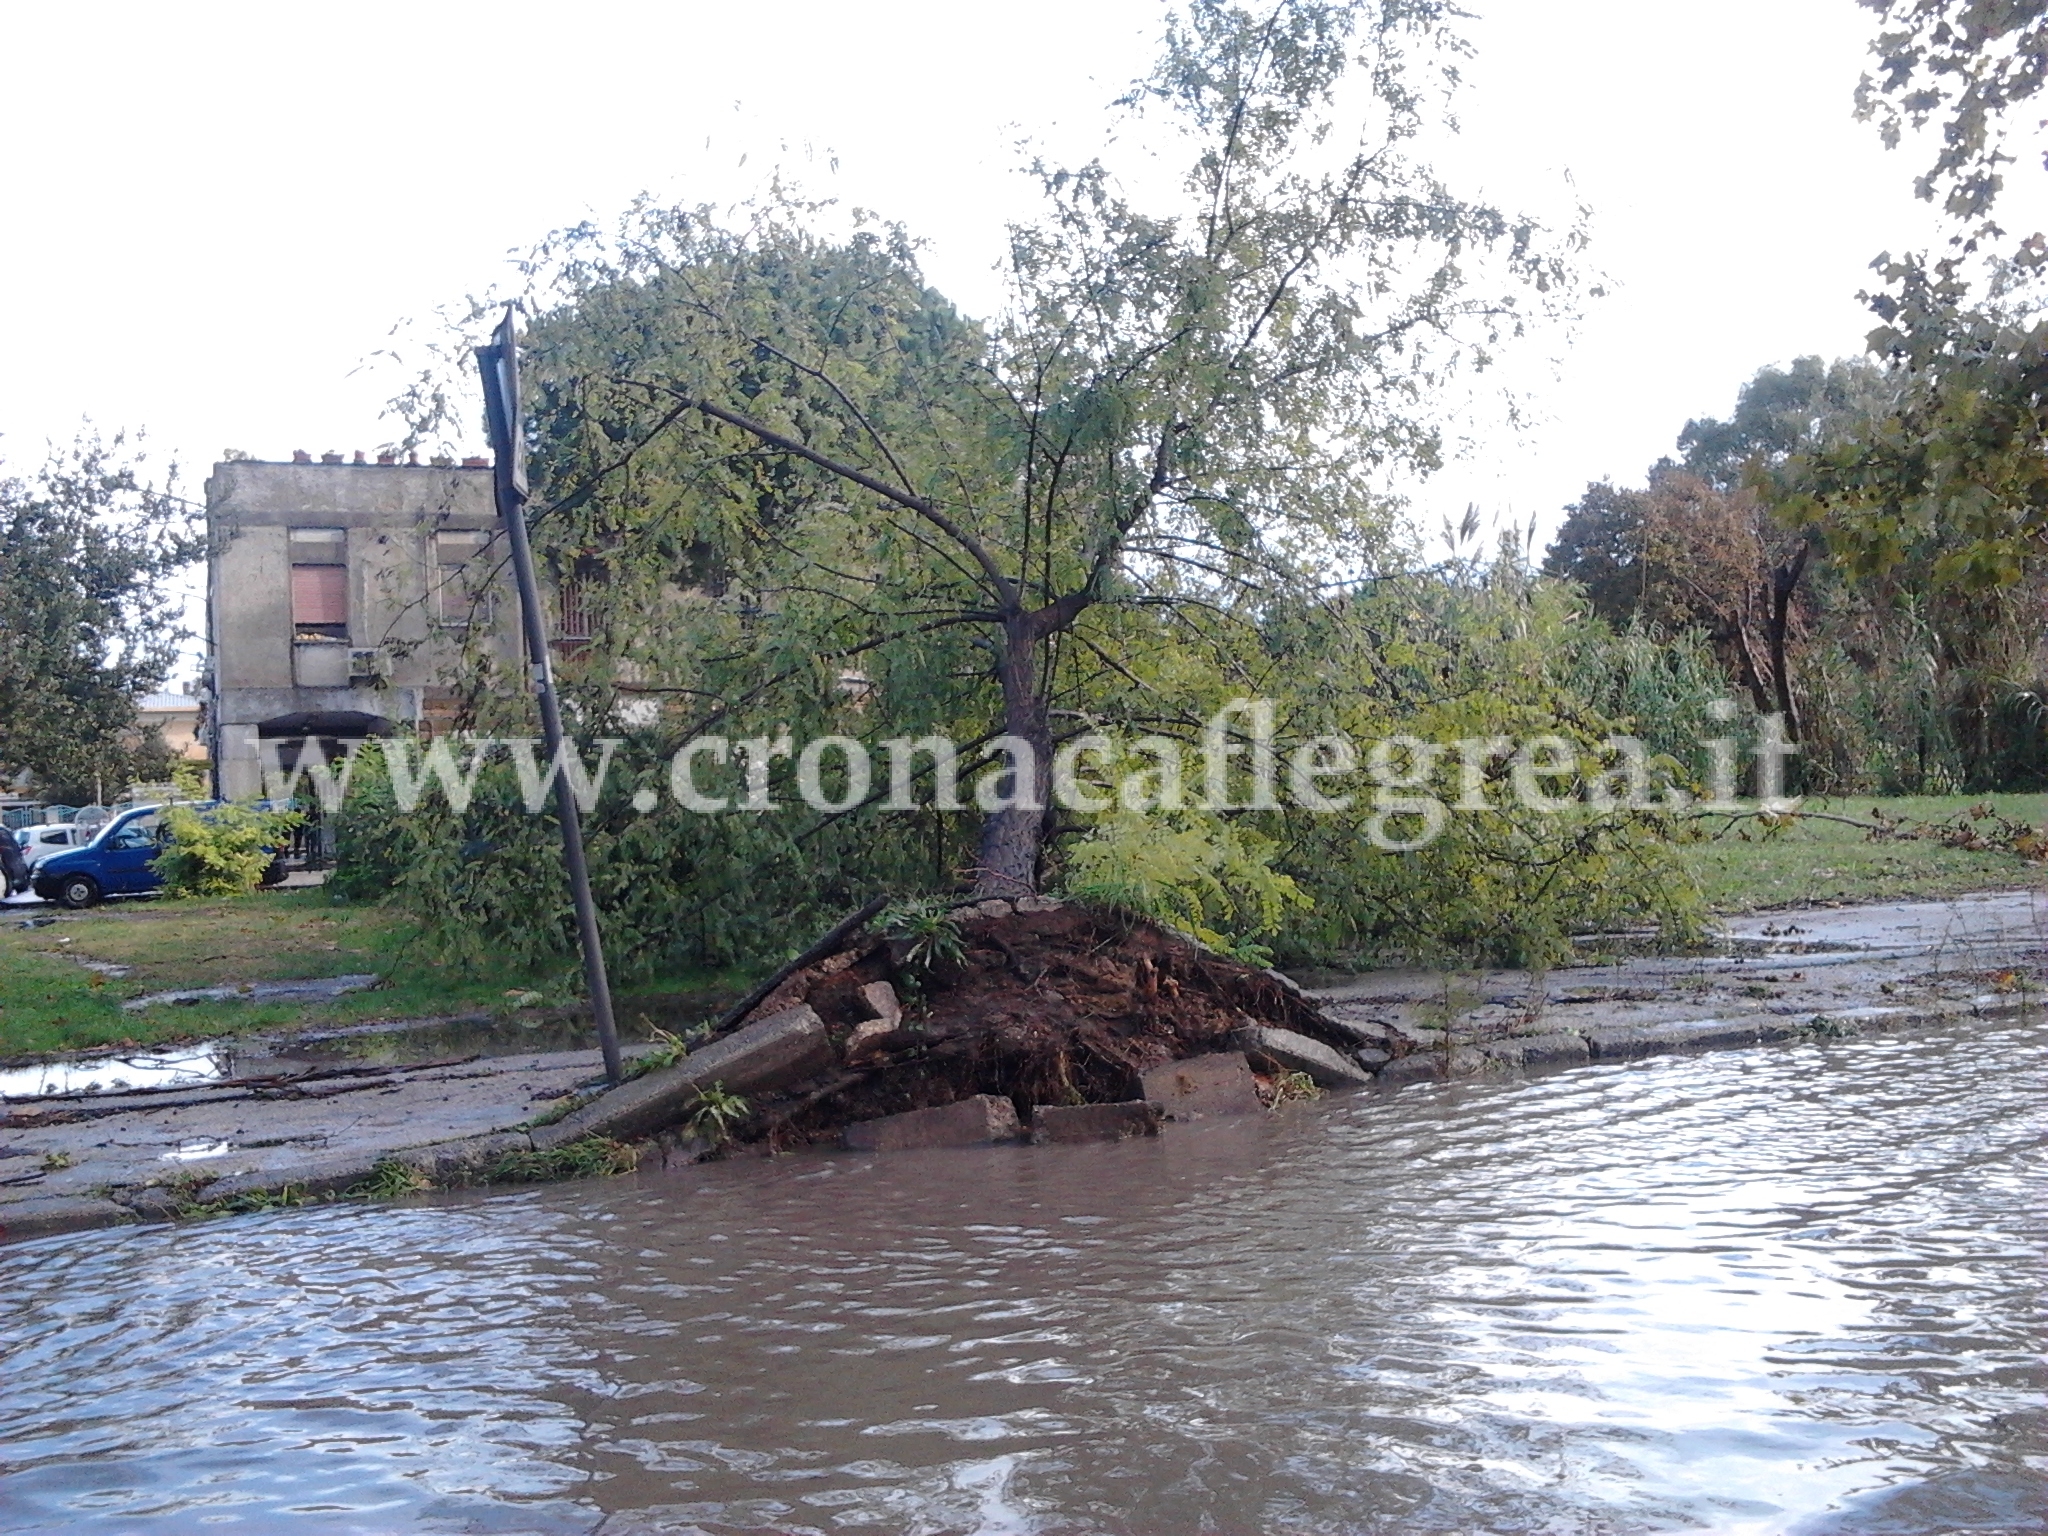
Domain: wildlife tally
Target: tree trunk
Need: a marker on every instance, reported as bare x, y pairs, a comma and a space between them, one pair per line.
1011, 836
1785, 581
1752, 675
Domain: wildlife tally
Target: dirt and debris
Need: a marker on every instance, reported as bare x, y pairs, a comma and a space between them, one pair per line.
1054, 1004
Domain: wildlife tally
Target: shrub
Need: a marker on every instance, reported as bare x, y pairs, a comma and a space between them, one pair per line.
1193, 871
222, 851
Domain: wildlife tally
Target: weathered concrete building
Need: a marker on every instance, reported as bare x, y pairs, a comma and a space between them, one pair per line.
340, 598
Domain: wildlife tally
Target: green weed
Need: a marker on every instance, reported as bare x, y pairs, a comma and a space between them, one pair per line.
590, 1157
716, 1114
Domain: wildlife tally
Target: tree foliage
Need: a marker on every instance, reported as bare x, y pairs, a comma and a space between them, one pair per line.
1961, 459
88, 621
1913, 636
1183, 410
802, 494
1962, 65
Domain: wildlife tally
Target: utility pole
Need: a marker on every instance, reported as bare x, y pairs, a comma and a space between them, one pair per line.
500, 365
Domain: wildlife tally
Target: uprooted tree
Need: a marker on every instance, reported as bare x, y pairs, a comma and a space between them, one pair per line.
1186, 414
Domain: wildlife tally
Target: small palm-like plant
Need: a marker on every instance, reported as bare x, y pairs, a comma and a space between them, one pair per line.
925, 927
716, 1114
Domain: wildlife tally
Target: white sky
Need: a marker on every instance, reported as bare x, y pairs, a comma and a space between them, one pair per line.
216, 212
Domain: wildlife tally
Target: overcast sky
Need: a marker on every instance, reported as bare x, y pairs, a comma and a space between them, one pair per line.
217, 212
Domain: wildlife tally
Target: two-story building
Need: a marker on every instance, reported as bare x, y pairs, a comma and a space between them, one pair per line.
340, 598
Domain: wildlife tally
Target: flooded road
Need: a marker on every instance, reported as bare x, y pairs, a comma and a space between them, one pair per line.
1788, 1290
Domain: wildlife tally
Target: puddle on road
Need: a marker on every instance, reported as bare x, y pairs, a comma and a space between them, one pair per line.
211, 1061
313, 990
172, 1067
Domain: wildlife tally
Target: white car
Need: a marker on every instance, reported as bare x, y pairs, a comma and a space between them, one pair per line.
38, 843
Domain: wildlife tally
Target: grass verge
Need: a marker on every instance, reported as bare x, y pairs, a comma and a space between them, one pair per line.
50, 1001
1748, 868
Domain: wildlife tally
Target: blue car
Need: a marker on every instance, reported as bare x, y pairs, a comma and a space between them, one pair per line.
116, 862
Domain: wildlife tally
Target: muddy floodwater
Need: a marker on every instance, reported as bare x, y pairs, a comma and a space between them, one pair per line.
1788, 1290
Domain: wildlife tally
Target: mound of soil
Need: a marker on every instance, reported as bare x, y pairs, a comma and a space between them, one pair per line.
1051, 1004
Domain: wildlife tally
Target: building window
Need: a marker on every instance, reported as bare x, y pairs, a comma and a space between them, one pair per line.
319, 584
573, 601
459, 595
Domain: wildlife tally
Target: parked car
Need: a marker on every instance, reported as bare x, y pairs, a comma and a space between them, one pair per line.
38, 843
116, 862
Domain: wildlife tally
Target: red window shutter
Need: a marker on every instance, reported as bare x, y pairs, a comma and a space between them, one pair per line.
319, 594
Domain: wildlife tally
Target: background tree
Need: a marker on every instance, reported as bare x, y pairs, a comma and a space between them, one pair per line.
88, 620
1701, 546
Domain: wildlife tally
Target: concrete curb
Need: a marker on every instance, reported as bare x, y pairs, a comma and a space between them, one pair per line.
1542, 1053
41, 1218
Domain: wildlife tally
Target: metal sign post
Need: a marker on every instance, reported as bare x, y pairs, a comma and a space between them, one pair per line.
500, 365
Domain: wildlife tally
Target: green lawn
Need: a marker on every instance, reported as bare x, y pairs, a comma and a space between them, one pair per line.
1748, 868
50, 1001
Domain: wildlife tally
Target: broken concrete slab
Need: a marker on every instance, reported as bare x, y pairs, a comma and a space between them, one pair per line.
970, 1122
870, 1036
1285, 1051
769, 1053
1065, 1123
1217, 1084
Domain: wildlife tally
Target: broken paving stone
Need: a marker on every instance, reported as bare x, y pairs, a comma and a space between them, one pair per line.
1026, 905
882, 1002
994, 907
1370, 1059
971, 1122
769, 1053
1061, 1123
1218, 1084
1285, 1051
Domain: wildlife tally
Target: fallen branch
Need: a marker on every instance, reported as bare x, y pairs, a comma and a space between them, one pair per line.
834, 936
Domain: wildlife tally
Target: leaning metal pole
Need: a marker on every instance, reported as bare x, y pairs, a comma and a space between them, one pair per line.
500, 365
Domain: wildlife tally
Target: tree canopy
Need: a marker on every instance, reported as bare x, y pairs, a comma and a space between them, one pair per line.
88, 622
1184, 414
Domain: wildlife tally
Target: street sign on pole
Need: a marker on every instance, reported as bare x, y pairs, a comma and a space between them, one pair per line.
499, 363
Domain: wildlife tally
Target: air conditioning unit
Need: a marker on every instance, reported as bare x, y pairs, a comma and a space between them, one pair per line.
368, 666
